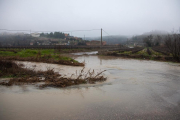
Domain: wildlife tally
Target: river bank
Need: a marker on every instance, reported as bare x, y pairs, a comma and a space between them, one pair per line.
140, 53
38, 55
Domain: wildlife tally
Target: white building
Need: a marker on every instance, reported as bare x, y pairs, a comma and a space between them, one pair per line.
35, 34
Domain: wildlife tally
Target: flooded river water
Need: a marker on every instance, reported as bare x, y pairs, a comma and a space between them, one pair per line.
135, 89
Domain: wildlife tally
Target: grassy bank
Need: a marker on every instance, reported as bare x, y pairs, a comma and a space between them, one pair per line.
76, 50
40, 55
140, 53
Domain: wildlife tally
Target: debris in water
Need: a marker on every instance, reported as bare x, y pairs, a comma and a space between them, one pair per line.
50, 78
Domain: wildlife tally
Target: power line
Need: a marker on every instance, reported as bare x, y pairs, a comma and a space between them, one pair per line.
51, 31
34, 31
109, 34
13, 30
106, 32
57, 31
81, 30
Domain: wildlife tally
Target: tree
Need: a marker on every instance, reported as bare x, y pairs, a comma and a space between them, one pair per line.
51, 34
173, 44
157, 40
82, 42
148, 41
54, 35
42, 35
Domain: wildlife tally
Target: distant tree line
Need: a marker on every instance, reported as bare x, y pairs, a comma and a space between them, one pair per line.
15, 40
53, 35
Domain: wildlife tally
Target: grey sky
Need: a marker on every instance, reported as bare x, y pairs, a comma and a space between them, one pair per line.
117, 17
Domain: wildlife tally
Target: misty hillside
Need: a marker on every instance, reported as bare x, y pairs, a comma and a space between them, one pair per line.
156, 32
115, 39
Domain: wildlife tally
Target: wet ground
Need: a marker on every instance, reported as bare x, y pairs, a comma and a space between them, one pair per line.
135, 89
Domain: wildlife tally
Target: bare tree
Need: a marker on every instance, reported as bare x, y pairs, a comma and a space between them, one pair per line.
173, 44
148, 41
157, 40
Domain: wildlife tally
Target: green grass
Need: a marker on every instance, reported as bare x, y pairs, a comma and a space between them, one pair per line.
68, 59
48, 51
7, 53
155, 53
45, 53
75, 50
143, 52
28, 52
127, 52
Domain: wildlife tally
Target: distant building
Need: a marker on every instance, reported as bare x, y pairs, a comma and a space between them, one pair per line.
46, 42
35, 34
95, 43
54, 41
66, 35
19, 33
140, 44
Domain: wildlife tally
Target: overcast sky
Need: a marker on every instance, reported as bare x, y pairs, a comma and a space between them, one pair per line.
117, 17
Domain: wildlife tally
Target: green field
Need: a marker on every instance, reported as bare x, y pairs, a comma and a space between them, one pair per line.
35, 53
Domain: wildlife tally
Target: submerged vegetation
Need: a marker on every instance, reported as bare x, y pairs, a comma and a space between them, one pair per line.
47, 78
43, 55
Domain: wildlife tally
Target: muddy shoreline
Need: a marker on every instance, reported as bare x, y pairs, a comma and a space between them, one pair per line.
49, 77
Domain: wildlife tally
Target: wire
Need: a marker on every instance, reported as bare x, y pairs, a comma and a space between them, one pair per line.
106, 32
109, 34
14, 30
50, 31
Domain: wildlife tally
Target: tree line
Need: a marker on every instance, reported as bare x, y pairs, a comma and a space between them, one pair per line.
172, 42
53, 35
15, 40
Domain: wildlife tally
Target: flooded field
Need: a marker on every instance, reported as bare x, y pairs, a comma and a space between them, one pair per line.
135, 89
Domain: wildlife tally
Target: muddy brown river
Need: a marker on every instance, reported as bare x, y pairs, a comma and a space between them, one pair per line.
135, 89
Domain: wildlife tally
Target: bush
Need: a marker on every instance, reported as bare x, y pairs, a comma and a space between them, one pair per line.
173, 44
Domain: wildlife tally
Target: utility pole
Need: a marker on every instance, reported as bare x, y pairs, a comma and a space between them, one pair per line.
173, 31
101, 37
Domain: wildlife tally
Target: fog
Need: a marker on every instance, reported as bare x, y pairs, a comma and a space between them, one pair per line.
116, 17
